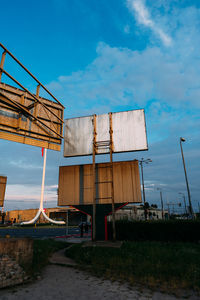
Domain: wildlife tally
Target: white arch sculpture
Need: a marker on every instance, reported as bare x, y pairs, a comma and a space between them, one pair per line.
41, 209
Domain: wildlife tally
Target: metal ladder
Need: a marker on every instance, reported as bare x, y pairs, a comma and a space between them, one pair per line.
96, 146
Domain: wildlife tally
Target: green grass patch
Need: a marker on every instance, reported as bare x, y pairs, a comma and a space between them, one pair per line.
167, 265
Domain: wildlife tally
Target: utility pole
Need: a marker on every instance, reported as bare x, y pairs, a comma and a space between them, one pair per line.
146, 161
184, 202
161, 200
188, 190
168, 208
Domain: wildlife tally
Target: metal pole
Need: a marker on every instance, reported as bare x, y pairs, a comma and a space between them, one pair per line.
2, 63
141, 165
185, 204
144, 200
188, 190
112, 187
94, 179
168, 209
143, 189
161, 199
21, 65
67, 224
43, 178
42, 199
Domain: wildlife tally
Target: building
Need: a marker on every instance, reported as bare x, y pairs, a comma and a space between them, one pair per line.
67, 214
136, 212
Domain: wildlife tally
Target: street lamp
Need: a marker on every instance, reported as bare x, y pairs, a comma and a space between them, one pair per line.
188, 190
161, 200
146, 161
184, 202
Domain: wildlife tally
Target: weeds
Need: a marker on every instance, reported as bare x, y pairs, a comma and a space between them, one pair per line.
175, 265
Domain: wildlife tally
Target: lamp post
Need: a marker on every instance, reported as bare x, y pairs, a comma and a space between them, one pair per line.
184, 202
146, 161
161, 200
188, 190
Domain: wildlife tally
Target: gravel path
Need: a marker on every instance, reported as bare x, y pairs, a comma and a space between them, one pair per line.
62, 281
67, 283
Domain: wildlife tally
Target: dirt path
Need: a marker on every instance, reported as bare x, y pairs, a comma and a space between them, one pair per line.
62, 281
67, 283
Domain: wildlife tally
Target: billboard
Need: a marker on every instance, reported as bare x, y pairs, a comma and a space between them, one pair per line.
25, 120
3, 180
129, 133
76, 183
26, 117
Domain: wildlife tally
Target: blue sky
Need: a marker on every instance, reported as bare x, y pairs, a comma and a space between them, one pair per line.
101, 56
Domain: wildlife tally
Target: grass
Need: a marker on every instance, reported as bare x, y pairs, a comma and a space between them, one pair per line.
155, 264
42, 250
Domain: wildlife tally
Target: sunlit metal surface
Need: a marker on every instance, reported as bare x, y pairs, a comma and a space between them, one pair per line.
129, 133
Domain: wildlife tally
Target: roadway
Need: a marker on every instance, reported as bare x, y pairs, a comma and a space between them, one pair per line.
38, 232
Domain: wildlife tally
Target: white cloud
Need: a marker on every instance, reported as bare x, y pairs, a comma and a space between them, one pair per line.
24, 165
143, 17
120, 76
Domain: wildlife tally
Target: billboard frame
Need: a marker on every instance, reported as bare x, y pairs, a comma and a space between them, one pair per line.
3, 182
108, 144
92, 116
47, 133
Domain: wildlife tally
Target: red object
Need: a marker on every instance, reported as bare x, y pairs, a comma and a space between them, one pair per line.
42, 152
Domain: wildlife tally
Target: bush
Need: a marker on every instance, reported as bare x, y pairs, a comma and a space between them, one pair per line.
164, 231
153, 264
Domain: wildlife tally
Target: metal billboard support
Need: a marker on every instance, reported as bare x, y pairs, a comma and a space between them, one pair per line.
96, 146
41, 209
94, 179
111, 166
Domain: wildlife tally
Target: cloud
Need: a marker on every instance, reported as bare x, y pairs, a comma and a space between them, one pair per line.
120, 76
143, 17
24, 165
26, 195
163, 80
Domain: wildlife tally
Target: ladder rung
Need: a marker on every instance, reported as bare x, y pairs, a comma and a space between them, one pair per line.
103, 147
98, 142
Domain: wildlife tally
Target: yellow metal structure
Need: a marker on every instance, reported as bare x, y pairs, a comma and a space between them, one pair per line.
26, 117
3, 181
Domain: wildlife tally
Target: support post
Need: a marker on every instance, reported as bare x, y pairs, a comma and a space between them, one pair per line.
20, 115
2, 63
186, 179
141, 165
112, 187
185, 204
162, 206
41, 211
94, 180
36, 103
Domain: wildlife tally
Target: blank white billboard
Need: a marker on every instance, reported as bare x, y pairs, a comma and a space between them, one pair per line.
129, 133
